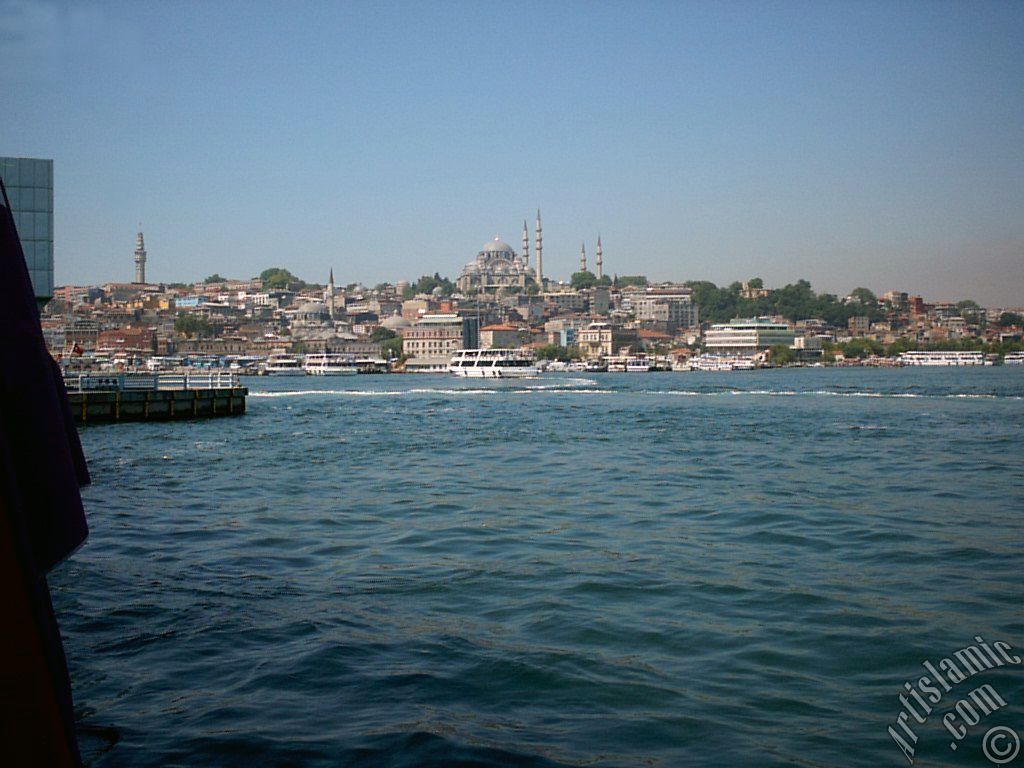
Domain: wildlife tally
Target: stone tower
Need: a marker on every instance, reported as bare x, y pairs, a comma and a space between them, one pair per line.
140, 259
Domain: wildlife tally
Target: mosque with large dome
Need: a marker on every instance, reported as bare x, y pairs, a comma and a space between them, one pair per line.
498, 266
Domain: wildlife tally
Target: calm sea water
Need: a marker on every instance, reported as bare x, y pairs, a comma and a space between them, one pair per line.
606, 570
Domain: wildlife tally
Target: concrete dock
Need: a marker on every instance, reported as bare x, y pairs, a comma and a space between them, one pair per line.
157, 397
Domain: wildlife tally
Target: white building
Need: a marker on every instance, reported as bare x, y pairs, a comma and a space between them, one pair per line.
747, 336
663, 305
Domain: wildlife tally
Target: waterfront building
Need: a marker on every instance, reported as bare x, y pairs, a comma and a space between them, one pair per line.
29, 185
747, 336
603, 340
499, 336
670, 306
430, 343
496, 266
562, 331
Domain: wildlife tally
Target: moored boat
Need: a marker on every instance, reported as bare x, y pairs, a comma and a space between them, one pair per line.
944, 358
328, 364
279, 364
493, 363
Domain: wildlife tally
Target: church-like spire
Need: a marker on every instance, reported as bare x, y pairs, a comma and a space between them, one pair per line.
526, 244
583, 258
600, 259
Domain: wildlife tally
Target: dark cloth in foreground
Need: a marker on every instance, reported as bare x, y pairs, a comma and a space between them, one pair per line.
41, 522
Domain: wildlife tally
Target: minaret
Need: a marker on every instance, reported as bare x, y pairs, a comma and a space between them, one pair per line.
540, 248
330, 294
140, 259
583, 258
600, 260
526, 244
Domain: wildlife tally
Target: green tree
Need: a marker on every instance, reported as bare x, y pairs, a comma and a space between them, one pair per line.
380, 333
276, 278
624, 281
392, 347
862, 348
864, 296
782, 355
585, 279
755, 282
900, 346
552, 352
192, 325
427, 284
1008, 319
214, 278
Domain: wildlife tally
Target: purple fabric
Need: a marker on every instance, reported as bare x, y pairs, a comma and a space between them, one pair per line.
41, 442
41, 461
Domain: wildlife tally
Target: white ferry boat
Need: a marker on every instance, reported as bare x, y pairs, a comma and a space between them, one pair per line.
639, 364
327, 364
493, 363
722, 363
280, 364
1014, 358
917, 357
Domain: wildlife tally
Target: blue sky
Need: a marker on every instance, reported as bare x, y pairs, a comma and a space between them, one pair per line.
859, 143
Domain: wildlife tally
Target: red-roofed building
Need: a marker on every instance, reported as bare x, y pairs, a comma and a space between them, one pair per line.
499, 337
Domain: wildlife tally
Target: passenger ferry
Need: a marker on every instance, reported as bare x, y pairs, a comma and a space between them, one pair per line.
280, 364
722, 363
327, 364
1014, 358
639, 364
944, 358
493, 363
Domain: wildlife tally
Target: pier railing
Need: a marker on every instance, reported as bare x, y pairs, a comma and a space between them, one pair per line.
150, 381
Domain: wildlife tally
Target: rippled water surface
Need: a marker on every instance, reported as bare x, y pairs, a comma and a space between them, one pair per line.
616, 569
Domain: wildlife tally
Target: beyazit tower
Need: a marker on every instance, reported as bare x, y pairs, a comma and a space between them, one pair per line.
140, 259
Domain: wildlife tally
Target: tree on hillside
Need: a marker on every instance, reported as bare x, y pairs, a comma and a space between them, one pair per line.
585, 279
624, 281
192, 325
864, 296
277, 278
427, 284
214, 278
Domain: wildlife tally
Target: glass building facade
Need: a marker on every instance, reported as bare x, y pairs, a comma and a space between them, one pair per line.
29, 184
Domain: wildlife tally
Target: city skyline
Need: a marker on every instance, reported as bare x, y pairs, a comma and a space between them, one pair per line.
846, 144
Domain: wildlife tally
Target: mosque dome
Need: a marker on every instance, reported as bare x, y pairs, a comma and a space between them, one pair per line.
497, 245
312, 308
396, 322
